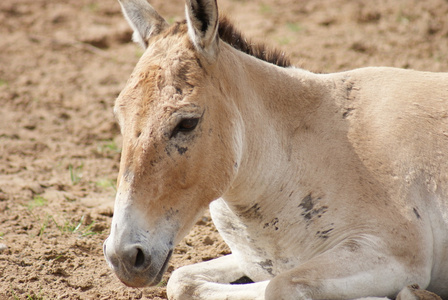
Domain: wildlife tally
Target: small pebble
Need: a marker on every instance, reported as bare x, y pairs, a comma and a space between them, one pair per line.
3, 247
36, 188
3, 196
202, 221
208, 241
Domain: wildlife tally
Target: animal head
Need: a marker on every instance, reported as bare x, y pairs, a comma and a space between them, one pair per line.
180, 147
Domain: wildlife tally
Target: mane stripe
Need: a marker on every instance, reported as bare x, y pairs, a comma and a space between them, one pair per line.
232, 36
229, 34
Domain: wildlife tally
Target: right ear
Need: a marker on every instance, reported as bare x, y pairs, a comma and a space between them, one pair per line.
202, 20
144, 20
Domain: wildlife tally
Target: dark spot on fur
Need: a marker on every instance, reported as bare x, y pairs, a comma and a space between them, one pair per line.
349, 89
267, 265
307, 216
324, 234
307, 203
250, 213
347, 113
153, 162
183, 75
199, 63
181, 150
242, 280
273, 224
416, 213
171, 213
167, 151
327, 231
282, 188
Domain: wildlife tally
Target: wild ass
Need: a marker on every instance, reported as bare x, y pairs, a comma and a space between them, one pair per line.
328, 186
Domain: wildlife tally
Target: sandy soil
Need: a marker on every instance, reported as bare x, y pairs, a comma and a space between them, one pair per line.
62, 63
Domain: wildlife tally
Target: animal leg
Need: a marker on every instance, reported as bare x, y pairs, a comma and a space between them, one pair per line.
413, 292
347, 273
211, 280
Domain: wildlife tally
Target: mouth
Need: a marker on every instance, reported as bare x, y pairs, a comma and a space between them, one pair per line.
162, 271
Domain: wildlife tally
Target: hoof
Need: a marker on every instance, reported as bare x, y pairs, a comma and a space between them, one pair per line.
413, 292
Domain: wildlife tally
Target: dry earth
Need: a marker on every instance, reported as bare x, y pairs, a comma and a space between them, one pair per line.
62, 63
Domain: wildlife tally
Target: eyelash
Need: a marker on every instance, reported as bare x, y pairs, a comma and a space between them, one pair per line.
185, 125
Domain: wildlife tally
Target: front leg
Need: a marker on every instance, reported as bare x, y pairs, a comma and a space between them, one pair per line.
211, 280
351, 270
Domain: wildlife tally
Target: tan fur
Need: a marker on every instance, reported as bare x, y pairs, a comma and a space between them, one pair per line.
330, 186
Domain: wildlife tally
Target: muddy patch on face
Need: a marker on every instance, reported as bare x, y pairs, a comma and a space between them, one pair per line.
181, 150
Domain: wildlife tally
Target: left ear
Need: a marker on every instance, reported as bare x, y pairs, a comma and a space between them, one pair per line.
202, 20
144, 19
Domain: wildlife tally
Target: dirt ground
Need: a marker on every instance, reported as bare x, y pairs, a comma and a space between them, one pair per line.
62, 63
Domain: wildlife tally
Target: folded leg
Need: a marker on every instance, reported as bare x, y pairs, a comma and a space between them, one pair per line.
211, 280
347, 272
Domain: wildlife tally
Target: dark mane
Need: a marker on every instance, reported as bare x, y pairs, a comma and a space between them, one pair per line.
229, 34
232, 36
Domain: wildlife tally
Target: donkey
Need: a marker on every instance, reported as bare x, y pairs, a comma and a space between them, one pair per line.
324, 186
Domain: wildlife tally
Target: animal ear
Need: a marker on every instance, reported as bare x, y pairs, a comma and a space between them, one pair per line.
202, 19
144, 20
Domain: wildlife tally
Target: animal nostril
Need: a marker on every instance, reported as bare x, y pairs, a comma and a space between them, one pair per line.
139, 258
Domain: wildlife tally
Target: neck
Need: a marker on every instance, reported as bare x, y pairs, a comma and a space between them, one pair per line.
277, 108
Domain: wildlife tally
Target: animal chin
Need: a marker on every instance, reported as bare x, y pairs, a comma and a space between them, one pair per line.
136, 282
158, 278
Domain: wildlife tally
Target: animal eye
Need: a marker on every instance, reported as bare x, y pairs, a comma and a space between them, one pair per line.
185, 125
